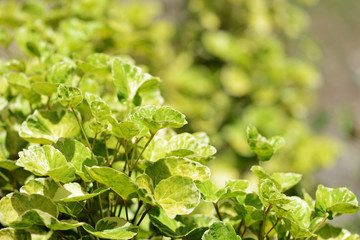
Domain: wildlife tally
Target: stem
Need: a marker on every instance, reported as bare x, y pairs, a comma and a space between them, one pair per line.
137, 211
288, 236
82, 129
117, 147
239, 227
319, 225
110, 205
122, 205
261, 236
100, 202
94, 141
126, 155
144, 214
217, 210
106, 149
137, 159
88, 212
277, 221
48, 102
126, 210
245, 228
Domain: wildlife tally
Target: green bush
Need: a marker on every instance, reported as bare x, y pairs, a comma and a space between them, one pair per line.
96, 164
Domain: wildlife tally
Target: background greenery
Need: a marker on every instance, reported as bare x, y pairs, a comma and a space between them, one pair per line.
225, 64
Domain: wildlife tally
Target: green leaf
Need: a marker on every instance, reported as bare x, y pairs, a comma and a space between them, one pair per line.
45, 88
5, 37
263, 148
270, 194
61, 72
328, 231
45, 127
174, 166
286, 180
220, 230
13, 206
33, 49
145, 188
43, 186
46, 161
131, 83
187, 145
14, 234
164, 117
112, 228
99, 108
69, 95
208, 191
15, 64
297, 211
181, 225
77, 155
283, 181
332, 201
120, 79
116, 180
21, 83
177, 195
125, 129
156, 149
139, 114
73, 192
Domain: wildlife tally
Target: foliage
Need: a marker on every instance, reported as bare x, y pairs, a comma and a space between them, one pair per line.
86, 164
226, 65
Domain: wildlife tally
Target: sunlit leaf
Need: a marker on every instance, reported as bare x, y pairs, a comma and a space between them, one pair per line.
174, 166
46, 161
77, 155
69, 95
177, 195
339, 200
45, 127
116, 180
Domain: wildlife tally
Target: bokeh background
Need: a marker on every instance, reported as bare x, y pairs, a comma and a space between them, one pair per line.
289, 67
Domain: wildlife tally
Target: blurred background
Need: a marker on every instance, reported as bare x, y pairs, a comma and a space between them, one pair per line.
288, 67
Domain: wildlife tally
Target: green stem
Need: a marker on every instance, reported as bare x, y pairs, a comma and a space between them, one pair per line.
261, 236
81, 127
137, 159
117, 148
88, 212
144, 214
100, 202
48, 107
126, 210
217, 210
319, 225
106, 150
277, 221
94, 141
126, 155
239, 226
137, 211
243, 233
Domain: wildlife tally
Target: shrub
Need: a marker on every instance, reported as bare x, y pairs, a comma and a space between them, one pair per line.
90, 163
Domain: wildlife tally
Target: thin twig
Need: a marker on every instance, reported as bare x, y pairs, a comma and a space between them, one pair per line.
137, 211
144, 214
277, 221
82, 129
217, 210
143, 150
94, 141
239, 226
106, 149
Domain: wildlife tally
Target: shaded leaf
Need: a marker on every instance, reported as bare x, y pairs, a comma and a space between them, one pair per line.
112, 228
220, 230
